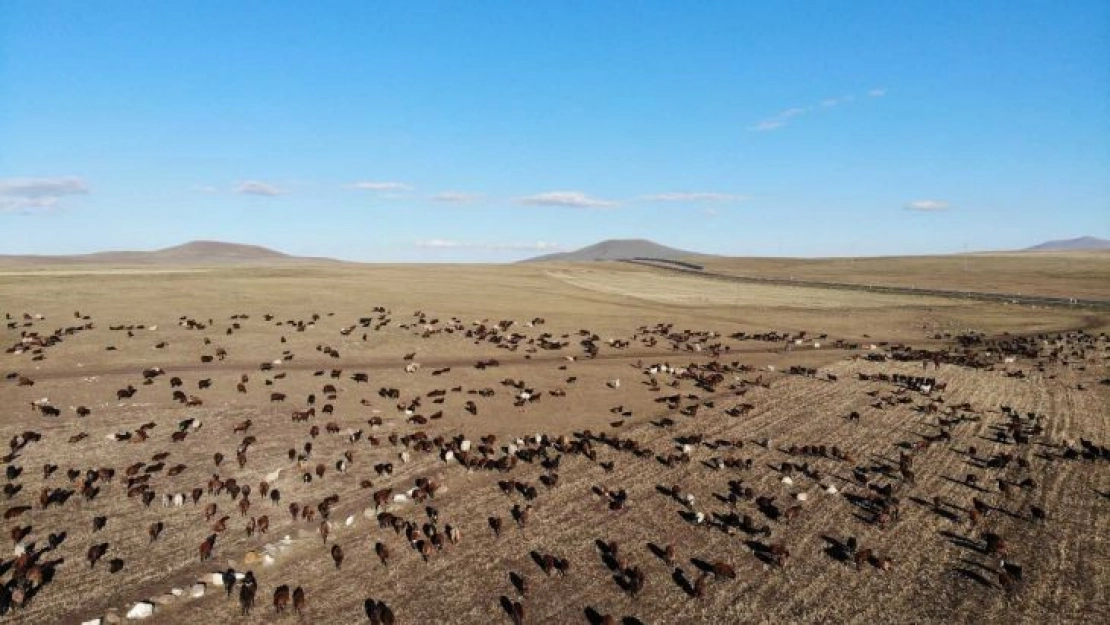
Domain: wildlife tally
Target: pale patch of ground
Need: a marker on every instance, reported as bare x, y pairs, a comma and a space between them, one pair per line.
697, 291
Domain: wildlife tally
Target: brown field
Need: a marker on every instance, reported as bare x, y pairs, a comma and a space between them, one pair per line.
939, 569
1079, 274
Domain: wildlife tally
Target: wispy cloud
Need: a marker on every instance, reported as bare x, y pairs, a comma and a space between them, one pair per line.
256, 187
783, 117
767, 125
927, 206
831, 102
692, 197
381, 186
457, 197
711, 212
202, 188
539, 246
28, 195
569, 199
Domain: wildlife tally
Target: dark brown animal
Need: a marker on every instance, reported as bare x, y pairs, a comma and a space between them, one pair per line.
281, 598
299, 602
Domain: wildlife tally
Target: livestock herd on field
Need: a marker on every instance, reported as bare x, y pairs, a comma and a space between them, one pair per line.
706, 384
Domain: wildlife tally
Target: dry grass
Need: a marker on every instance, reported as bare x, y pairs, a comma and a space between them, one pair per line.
933, 578
1060, 274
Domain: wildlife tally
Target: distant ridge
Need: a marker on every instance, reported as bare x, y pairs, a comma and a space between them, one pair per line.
1081, 243
191, 253
616, 249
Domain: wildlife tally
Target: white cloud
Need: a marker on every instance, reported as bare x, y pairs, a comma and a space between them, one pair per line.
767, 125
927, 206
27, 195
458, 197
539, 246
693, 197
711, 212
781, 118
200, 188
381, 186
831, 102
255, 187
570, 199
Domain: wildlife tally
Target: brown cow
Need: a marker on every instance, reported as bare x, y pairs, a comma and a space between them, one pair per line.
206, 547
95, 553
299, 600
383, 553
281, 598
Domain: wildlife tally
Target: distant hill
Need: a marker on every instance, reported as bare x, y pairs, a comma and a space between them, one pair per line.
192, 253
616, 249
1081, 243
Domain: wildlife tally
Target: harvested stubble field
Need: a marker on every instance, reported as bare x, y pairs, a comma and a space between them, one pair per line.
736, 400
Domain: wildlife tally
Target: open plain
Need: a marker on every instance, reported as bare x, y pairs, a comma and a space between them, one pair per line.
596, 443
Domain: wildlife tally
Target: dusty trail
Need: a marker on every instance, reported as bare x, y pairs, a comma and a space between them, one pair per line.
387, 363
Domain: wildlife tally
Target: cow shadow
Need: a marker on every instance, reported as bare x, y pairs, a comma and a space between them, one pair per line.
963, 542
688, 516
683, 582
657, 551
537, 558
701, 565
761, 551
973, 576
964, 484
506, 605
835, 549
593, 617
941, 512
517, 580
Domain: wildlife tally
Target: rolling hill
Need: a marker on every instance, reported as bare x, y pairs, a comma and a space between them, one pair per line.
616, 249
191, 253
1080, 243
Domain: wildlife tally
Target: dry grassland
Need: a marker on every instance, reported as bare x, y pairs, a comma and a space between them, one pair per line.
939, 571
1084, 275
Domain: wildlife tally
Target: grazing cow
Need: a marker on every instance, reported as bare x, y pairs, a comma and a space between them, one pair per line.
247, 591
206, 547
337, 555
779, 553
95, 553
722, 570
299, 603
281, 598
228, 578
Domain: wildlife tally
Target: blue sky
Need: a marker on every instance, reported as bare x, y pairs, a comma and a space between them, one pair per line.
483, 131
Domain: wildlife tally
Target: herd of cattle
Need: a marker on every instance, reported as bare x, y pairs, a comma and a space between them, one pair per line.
399, 427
